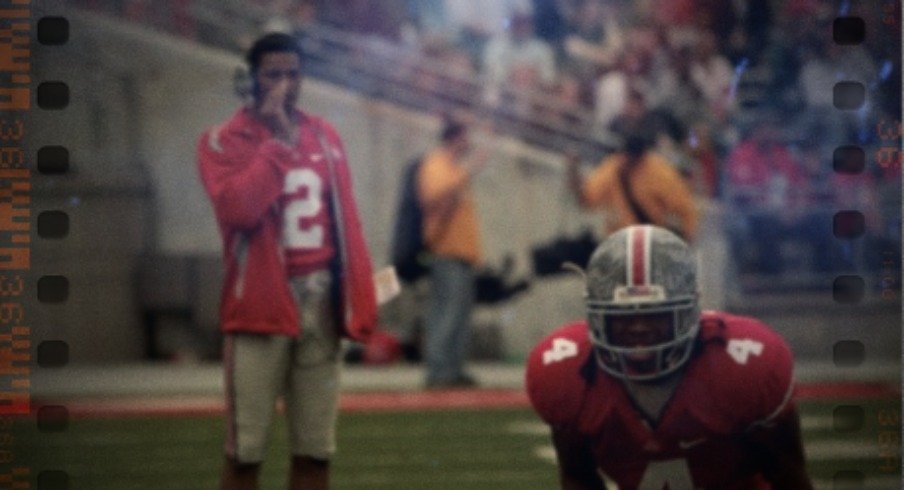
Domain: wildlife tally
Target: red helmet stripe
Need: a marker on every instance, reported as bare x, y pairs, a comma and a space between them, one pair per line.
639, 256
647, 255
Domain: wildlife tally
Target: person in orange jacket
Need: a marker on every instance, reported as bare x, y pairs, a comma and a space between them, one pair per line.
637, 186
452, 238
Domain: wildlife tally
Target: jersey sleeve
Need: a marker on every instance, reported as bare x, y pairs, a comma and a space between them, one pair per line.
776, 381
598, 186
554, 380
753, 370
677, 196
358, 290
242, 181
352, 219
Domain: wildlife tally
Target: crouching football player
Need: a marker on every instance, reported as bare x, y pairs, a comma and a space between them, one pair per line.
654, 394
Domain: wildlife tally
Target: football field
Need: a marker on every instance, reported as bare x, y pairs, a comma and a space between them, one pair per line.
477, 448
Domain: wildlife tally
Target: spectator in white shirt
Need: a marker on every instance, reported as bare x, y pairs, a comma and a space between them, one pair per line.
517, 61
712, 74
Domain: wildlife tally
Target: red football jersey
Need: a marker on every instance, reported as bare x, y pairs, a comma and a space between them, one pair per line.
243, 169
739, 377
304, 206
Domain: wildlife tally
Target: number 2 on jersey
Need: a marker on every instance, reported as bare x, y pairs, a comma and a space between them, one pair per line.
561, 349
308, 206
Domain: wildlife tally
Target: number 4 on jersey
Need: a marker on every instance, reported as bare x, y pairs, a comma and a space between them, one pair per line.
670, 473
561, 349
741, 349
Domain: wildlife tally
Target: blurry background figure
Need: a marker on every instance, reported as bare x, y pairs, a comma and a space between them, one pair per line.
472, 23
636, 186
596, 33
711, 74
633, 113
777, 199
516, 63
617, 84
550, 25
451, 233
760, 176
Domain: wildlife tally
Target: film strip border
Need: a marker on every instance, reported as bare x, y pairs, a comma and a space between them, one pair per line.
52, 95
19, 90
849, 226
18, 93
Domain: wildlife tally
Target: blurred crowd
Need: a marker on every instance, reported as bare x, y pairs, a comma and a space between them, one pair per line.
737, 94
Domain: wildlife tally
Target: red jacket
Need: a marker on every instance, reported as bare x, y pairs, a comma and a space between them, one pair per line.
242, 167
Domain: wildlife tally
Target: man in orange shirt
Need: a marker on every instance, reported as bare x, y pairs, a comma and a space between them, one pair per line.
452, 237
637, 186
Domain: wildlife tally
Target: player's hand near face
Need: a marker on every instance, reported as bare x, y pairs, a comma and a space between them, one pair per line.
277, 85
274, 111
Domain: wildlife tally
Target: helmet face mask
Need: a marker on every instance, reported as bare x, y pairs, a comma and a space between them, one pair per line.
642, 306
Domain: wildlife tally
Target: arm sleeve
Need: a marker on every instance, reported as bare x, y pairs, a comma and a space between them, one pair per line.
774, 387
780, 453
598, 185
553, 378
777, 392
436, 185
243, 183
577, 468
678, 199
359, 296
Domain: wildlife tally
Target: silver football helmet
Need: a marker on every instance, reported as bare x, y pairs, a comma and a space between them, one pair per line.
642, 270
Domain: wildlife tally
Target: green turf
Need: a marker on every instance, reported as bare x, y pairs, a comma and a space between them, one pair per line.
485, 449
876, 444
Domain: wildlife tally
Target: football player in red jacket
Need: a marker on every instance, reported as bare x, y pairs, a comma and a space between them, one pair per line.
298, 271
654, 394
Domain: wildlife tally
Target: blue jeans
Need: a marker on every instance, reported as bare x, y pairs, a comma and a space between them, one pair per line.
447, 329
